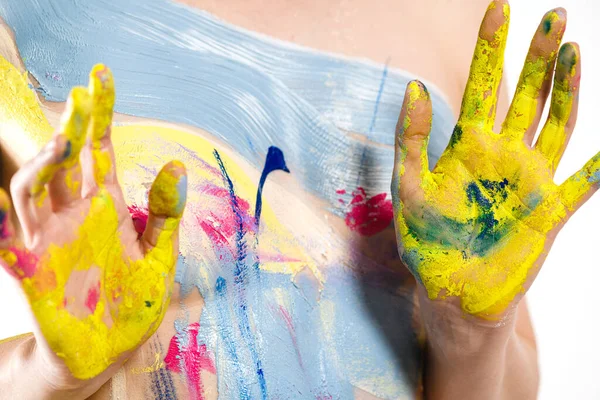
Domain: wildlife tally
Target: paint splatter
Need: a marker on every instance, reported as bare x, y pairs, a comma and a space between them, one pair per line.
139, 216
92, 298
185, 355
369, 216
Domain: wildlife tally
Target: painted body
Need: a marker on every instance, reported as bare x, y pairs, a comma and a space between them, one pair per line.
266, 293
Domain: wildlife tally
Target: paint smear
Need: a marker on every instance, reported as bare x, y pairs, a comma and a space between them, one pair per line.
369, 216
190, 358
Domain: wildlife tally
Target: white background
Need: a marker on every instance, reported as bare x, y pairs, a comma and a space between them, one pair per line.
563, 300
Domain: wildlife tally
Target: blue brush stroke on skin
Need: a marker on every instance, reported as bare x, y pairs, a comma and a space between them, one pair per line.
275, 162
176, 63
241, 278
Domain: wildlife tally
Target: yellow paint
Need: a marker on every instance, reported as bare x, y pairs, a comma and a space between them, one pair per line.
481, 92
22, 122
439, 226
156, 365
130, 143
74, 124
121, 320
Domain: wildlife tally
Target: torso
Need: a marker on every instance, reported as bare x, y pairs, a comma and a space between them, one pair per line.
313, 303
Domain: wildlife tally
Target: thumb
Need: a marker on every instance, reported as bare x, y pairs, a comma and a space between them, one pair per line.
166, 203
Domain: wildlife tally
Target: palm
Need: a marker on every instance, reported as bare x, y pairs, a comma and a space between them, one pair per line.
97, 290
480, 225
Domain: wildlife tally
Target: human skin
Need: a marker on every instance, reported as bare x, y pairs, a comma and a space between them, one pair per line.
412, 68
476, 230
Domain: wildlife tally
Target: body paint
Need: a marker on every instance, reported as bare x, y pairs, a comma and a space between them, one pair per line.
318, 114
192, 358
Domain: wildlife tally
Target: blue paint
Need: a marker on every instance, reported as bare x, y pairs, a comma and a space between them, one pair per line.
179, 64
242, 275
225, 320
374, 118
275, 162
182, 193
595, 177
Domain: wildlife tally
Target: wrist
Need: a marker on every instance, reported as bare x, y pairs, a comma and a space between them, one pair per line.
458, 335
52, 378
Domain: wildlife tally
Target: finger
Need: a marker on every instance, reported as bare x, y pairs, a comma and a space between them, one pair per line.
532, 90
65, 186
101, 153
28, 185
411, 164
576, 190
557, 131
481, 93
166, 202
18, 262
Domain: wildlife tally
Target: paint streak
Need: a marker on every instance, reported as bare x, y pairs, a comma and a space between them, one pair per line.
287, 318
241, 277
190, 358
369, 216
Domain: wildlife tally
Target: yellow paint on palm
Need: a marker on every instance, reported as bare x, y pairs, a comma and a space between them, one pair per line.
477, 226
122, 318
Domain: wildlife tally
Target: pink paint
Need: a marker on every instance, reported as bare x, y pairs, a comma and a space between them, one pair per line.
186, 356
26, 264
269, 257
220, 223
340, 191
287, 318
369, 216
139, 216
92, 298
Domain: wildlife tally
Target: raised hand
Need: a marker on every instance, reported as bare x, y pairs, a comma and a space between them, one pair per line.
97, 291
479, 226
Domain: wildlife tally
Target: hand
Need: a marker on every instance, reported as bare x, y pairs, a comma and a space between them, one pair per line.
479, 227
97, 291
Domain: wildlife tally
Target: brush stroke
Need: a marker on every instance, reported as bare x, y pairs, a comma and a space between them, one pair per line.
295, 98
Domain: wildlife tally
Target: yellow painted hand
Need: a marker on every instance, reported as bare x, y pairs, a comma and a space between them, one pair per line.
97, 291
479, 226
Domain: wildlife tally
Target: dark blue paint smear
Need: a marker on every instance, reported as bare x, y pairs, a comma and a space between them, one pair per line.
241, 277
275, 162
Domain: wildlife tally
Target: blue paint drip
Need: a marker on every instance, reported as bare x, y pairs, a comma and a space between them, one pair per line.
275, 162
241, 278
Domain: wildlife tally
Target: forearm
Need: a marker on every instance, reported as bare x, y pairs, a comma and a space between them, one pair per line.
469, 358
